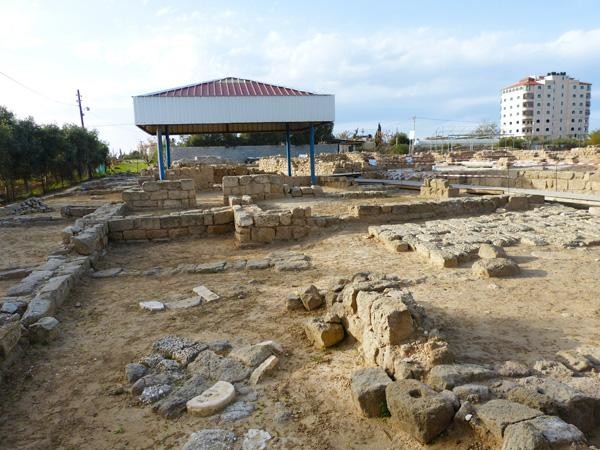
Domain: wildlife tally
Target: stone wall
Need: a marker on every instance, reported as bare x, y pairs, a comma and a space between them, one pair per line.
193, 223
253, 225
207, 176
161, 195
437, 188
405, 212
562, 180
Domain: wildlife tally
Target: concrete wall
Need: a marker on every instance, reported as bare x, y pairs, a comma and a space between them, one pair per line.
239, 154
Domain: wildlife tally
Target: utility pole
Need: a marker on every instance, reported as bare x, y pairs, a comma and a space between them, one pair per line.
80, 109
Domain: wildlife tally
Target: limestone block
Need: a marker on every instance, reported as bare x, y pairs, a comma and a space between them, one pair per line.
447, 376
170, 222
37, 309
266, 219
283, 233
134, 235
178, 232
266, 367
418, 409
496, 415
147, 223
220, 229
368, 391
150, 186
323, 334
495, 267
43, 331
264, 234
391, 320
120, 225
177, 195
172, 204
157, 234
221, 217
187, 185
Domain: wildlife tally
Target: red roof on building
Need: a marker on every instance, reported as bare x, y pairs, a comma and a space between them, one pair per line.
529, 81
229, 87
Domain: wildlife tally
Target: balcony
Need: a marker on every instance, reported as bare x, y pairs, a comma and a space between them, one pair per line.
527, 105
528, 96
528, 112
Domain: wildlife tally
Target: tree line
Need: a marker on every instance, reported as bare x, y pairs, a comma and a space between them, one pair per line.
34, 155
323, 133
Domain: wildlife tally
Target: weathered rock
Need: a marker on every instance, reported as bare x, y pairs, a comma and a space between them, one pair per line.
534, 398
210, 439
495, 267
134, 372
487, 251
293, 302
236, 411
574, 360
185, 303
258, 264
211, 267
212, 400
43, 331
496, 415
154, 393
418, 409
37, 309
152, 306
13, 306
152, 380
512, 369
323, 334
553, 369
10, 334
391, 321
543, 433
206, 294
474, 393
266, 367
216, 367
220, 347
255, 439
573, 406
175, 404
107, 273
447, 376
251, 355
368, 391
311, 297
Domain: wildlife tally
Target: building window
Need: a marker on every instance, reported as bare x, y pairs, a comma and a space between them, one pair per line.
572, 129
547, 120
537, 129
547, 129
537, 121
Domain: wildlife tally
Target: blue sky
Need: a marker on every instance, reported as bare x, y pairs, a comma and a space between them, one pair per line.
385, 61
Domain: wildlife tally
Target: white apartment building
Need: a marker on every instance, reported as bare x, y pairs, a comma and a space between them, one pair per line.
550, 107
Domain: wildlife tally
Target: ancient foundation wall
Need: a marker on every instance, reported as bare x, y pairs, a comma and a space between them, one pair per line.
438, 188
195, 223
405, 212
161, 195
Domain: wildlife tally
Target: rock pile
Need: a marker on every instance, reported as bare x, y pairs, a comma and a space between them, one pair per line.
29, 206
206, 379
412, 376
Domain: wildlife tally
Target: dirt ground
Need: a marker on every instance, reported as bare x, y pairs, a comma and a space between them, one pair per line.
63, 395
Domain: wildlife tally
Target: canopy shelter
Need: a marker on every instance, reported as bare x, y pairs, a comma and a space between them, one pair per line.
232, 105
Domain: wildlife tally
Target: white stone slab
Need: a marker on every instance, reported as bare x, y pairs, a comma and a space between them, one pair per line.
206, 293
152, 306
212, 400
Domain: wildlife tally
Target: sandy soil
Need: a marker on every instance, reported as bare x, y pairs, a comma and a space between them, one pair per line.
61, 396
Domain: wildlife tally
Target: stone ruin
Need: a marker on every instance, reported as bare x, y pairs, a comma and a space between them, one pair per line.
412, 376
161, 195
30, 206
438, 188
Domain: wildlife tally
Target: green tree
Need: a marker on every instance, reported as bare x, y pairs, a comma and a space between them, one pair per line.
486, 129
378, 139
594, 138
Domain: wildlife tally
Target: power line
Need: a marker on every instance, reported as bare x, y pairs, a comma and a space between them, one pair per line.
35, 91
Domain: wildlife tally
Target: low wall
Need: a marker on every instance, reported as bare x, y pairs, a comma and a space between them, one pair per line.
253, 225
405, 212
206, 176
438, 188
193, 223
241, 153
561, 180
161, 195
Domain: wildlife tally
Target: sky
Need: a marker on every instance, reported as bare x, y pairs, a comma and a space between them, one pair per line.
443, 62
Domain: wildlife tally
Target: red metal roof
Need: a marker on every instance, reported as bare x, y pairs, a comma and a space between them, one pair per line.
229, 87
529, 81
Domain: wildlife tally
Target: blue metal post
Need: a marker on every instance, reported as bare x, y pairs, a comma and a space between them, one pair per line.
161, 162
313, 177
168, 147
288, 149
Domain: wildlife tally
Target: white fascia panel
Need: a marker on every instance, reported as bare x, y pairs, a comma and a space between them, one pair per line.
188, 110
